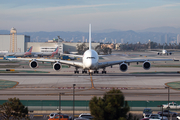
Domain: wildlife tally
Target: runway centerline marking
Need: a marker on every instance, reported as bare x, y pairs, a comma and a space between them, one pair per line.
92, 84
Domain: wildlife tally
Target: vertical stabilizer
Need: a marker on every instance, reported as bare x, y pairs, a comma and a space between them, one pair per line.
55, 52
28, 52
89, 36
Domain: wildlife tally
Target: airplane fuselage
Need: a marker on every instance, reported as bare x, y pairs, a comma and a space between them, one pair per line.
90, 60
164, 51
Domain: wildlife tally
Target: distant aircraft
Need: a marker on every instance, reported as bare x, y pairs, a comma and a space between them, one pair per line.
90, 61
164, 52
42, 54
18, 54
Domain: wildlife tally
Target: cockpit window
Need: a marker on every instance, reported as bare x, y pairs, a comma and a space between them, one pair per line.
90, 57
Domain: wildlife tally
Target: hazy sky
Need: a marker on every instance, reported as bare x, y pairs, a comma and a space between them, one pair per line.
75, 15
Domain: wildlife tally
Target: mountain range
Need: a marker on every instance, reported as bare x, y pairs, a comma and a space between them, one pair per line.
107, 36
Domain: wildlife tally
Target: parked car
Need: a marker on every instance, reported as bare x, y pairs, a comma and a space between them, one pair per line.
60, 117
145, 119
165, 113
157, 117
154, 117
172, 105
80, 118
86, 115
147, 112
178, 117
164, 118
52, 115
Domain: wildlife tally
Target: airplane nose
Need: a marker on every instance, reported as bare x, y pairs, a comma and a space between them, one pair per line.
89, 63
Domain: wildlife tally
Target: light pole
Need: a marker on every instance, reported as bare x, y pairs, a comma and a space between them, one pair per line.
73, 99
162, 111
168, 101
60, 102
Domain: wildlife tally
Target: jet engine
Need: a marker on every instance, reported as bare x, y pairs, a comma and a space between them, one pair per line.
33, 64
146, 65
123, 67
57, 66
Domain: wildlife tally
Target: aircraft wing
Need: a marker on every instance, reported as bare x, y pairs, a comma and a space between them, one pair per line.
71, 63
170, 52
10, 54
110, 63
72, 55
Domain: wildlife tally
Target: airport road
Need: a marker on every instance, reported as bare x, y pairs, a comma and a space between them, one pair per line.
133, 86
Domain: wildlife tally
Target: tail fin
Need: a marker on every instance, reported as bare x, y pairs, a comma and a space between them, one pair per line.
89, 36
55, 52
28, 52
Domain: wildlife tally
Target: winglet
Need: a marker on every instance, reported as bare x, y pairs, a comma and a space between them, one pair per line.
89, 36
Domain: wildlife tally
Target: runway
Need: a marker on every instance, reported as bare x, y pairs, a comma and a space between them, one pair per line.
48, 86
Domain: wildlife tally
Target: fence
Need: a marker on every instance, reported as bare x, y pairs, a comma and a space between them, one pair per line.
83, 105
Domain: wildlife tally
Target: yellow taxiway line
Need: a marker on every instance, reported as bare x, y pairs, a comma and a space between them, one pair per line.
92, 84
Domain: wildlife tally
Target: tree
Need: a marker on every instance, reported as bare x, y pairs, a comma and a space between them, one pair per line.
111, 107
82, 48
98, 49
13, 109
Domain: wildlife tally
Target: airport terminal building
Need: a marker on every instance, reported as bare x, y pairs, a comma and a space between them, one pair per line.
51, 46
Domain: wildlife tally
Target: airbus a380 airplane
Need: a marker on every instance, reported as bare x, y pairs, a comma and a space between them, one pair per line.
164, 52
90, 61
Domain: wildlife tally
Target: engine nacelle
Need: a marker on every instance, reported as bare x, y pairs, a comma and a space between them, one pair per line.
170, 53
146, 65
123, 67
33, 64
57, 66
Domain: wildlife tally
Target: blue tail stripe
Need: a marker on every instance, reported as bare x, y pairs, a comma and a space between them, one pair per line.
29, 49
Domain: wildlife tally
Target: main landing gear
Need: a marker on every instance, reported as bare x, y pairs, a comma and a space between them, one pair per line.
90, 71
84, 71
96, 72
104, 71
76, 71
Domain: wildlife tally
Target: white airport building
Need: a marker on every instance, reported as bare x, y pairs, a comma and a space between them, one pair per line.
50, 46
22, 41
